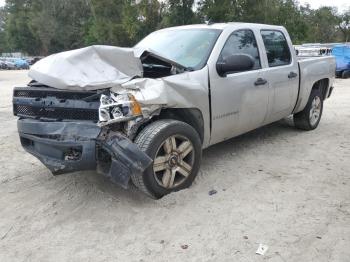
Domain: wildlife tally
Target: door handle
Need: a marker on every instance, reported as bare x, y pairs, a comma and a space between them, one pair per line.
260, 82
292, 75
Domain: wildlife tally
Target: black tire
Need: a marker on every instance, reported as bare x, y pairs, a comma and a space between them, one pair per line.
151, 139
345, 74
302, 119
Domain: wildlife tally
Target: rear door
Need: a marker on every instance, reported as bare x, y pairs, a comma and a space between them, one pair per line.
281, 73
239, 99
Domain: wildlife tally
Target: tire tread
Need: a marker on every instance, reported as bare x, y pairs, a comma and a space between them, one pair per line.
301, 119
143, 140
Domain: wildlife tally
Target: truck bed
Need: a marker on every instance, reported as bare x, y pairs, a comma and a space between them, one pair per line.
311, 70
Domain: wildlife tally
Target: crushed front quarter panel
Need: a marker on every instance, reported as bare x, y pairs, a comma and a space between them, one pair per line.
186, 90
121, 70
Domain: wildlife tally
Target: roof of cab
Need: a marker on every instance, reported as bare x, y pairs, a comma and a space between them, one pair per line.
223, 26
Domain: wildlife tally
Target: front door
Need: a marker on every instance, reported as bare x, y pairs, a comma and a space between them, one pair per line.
239, 99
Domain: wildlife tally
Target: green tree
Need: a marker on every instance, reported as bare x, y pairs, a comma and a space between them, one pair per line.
344, 25
221, 10
277, 12
150, 13
48, 26
106, 24
3, 41
18, 33
142, 18
59, 24
323, 23
179, 12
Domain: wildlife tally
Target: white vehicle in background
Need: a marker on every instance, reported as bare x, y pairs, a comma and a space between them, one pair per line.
313, 51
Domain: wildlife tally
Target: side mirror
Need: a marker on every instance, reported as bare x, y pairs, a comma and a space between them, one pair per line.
235, 63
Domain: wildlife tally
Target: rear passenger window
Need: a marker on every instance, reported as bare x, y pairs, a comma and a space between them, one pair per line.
242, 42
277, 49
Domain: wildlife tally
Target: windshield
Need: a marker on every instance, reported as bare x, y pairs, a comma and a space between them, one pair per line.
188, 47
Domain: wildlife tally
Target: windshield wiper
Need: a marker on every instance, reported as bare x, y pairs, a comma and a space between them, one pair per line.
189, 69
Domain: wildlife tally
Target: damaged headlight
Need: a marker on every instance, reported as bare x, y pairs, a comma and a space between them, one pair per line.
118, 107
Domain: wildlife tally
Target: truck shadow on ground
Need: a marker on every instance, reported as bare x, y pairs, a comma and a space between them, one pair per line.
272, 133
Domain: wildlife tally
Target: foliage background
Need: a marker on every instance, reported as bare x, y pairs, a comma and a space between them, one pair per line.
42, 27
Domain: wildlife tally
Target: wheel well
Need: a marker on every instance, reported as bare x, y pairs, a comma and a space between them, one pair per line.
191, 116
322, 85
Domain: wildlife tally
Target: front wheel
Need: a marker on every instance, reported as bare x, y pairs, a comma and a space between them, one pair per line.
176, 150
310, 117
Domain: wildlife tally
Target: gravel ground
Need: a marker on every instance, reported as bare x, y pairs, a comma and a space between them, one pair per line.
277, 186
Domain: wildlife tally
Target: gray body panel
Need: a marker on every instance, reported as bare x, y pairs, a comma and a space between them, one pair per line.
229, 105
238, 106
106, 84
312, 70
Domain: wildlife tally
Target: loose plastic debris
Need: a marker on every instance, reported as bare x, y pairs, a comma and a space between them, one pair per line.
262, 249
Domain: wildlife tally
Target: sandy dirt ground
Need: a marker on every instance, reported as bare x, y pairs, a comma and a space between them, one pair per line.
277, 186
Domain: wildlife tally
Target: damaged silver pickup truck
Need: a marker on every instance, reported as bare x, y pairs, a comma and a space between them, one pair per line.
143, 115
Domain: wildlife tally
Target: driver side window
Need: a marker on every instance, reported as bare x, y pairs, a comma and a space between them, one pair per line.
242, 42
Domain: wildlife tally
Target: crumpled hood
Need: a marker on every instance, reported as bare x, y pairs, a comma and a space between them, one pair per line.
89, 68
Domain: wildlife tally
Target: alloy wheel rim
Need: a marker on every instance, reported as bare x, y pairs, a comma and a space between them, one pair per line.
173, 162
315, 111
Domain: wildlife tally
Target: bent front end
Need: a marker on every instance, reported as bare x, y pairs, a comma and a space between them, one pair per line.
60, 129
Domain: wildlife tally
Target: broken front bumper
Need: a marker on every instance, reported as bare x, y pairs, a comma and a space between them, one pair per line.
65, 147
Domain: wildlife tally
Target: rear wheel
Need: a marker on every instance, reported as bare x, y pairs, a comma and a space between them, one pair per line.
176, 151
310, 117
346, 74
